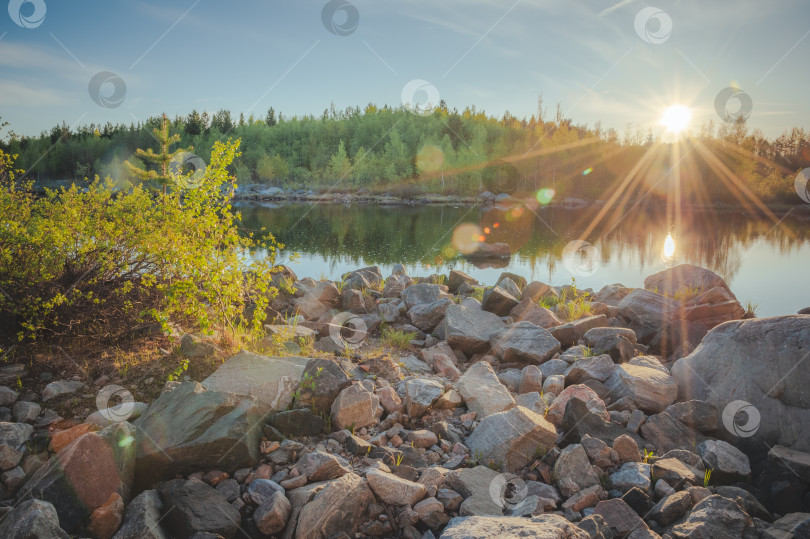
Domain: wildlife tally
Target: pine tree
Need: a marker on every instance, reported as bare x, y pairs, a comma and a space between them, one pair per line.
271, 117
194, 123
163, 174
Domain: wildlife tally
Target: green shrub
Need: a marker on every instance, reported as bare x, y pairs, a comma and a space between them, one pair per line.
397, 338
94, 263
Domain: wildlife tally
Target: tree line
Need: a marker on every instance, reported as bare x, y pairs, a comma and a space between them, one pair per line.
446, 150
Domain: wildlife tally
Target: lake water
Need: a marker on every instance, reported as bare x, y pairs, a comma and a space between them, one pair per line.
763, 262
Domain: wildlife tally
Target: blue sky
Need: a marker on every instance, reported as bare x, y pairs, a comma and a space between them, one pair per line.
175, 56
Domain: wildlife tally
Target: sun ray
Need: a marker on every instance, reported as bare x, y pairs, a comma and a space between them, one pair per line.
732, 181
514, 158
631, 178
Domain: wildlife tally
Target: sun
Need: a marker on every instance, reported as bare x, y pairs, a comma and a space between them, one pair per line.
676, 118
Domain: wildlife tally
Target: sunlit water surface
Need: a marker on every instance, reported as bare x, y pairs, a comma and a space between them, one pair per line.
764, 263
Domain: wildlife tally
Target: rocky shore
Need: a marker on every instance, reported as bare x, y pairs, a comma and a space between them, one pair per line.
268, 193
534, 411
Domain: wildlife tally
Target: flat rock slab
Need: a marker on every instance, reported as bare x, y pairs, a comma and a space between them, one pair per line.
270, 380
539, 527
512, 438
191, 429
59, 388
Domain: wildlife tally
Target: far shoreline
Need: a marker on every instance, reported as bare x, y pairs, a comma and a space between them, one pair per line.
290, 195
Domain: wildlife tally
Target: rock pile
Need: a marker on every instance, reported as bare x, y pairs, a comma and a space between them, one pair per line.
646, 417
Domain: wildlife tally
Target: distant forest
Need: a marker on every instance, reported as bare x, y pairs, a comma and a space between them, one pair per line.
385, 149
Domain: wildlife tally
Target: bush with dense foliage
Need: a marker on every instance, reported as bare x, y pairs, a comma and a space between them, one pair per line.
99, 262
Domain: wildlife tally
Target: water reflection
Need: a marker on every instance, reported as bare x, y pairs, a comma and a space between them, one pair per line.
669, 247
749, 252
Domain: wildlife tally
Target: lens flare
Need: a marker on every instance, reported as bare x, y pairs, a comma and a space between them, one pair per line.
587, 171
465, 238
545, 196
430, 158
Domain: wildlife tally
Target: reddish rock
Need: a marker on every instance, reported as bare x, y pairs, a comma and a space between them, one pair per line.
389, 399
105, 520
627, 449
62, 438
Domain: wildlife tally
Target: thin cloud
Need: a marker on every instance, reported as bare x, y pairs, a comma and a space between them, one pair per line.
13, 94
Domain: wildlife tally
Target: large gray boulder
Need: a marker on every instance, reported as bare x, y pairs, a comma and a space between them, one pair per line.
651, 389
755, 374
456, 278
682, 278
729, 463
511, 439
142, 518
499, 301
363, 278
190, 429
420, 394
483, 393
426, 316
524, 342
468, 330
271, 380
612, 294
647, 312
574, 471
529, 311
418, 294
32, 519
474, 484
540, 527
618, 342
194, 506
715, 516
